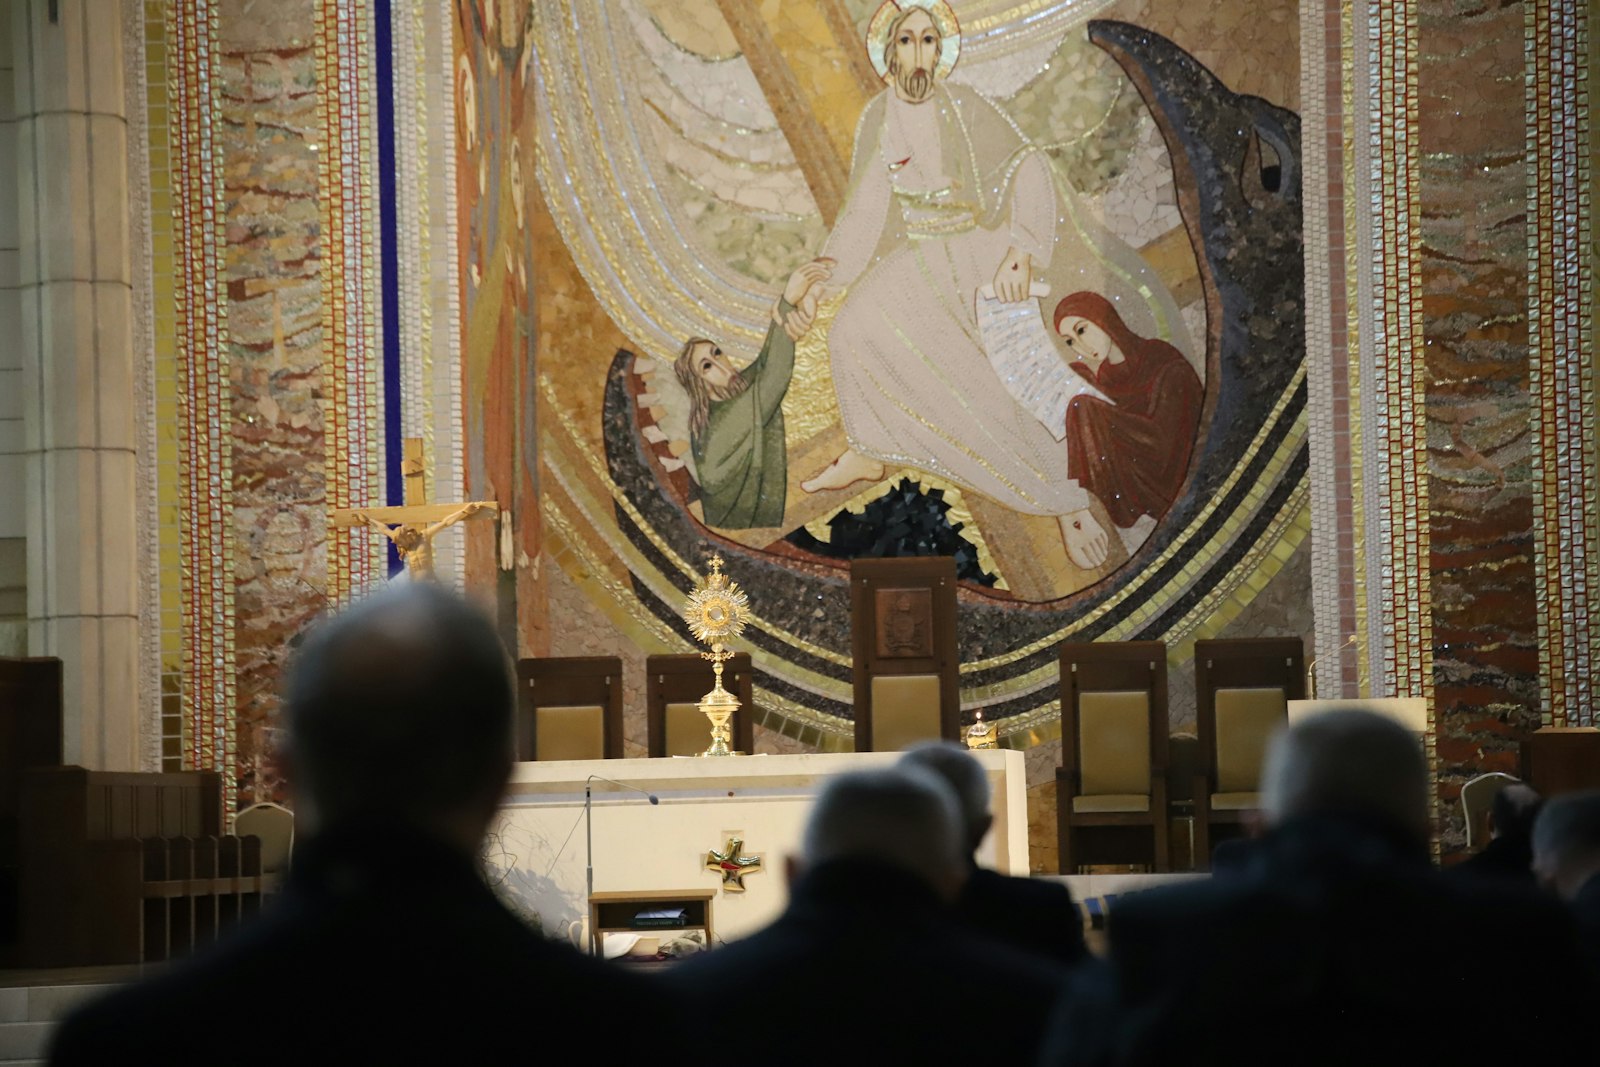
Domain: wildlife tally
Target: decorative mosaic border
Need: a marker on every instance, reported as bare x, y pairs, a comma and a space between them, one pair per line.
1328, 380
166, 590
1561, 373
430, 380
352, 384
200, 344
1392, 356
147, 533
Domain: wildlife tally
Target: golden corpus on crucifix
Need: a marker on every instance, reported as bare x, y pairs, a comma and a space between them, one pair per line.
412, 526
717, 612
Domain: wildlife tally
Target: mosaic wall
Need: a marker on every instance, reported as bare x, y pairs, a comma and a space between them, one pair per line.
1419, 333
270, 135
1451, 356
1119, 455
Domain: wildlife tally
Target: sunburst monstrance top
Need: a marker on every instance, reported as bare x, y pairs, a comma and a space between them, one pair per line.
718, 609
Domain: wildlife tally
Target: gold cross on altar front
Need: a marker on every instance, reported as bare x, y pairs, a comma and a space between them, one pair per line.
733, 865
413, 525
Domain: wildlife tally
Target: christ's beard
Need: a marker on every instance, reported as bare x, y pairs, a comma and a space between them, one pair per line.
915, 85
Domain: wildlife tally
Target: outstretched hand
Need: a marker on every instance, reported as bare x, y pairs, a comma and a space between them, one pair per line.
804, 292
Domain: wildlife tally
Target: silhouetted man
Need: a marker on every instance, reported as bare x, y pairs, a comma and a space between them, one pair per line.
866, 965
1566, 859
386, 945
1509, 853
1337, 943
1035, 916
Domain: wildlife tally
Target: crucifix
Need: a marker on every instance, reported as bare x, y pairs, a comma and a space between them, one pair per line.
413, 525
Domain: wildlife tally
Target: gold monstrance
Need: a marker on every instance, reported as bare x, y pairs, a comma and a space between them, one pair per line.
716, 612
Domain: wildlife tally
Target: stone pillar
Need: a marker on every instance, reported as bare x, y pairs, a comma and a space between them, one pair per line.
77, 377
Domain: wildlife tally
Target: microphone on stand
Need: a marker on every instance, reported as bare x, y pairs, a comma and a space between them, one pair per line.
588, 830
1311, 668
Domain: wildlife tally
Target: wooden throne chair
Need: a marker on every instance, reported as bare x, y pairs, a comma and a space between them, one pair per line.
1242, 693
569, 708
906, 670
1112, 780
673, 688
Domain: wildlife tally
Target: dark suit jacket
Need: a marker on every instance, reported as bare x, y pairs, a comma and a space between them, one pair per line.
1508, 857
867, 966
386, 947
1337, 944
1034, 916
1587, 907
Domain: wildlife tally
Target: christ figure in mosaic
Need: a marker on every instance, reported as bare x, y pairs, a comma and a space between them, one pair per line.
946, 198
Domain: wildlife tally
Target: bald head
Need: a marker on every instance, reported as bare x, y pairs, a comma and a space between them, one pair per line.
905, 816
967, 780
1348, 761
400, 710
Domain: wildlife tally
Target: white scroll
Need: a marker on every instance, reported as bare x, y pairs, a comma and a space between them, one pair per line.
1020, 348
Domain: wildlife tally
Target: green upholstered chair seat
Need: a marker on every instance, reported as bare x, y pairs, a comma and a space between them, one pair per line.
1246, 719
905, 710
570, 732
688, 730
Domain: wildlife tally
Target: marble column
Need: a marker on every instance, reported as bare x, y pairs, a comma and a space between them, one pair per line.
77, 375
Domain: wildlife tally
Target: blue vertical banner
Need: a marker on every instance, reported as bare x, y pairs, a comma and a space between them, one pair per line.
389, 261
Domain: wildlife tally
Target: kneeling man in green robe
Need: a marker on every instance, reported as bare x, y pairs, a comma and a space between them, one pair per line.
736, 416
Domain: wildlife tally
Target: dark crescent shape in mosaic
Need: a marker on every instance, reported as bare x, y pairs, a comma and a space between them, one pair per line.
1236, 161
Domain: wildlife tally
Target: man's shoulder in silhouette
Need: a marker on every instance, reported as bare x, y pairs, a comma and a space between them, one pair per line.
384, 947
908, 984
1335, 929
1026, 913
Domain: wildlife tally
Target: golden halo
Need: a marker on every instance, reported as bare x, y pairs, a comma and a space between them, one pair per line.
943, 18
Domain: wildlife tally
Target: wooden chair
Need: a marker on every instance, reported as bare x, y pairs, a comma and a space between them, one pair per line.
673, 688
1242, 693
1113, 746
569, 708
903, 614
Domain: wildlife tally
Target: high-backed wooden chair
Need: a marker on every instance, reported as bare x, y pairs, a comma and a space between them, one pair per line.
1242, 692
903, 613
1113, 746
673, 688
569, 708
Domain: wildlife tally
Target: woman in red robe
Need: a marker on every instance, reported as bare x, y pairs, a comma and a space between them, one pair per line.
1132, 453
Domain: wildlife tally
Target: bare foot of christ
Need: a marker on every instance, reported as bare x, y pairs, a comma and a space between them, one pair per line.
846, 470
1087, 544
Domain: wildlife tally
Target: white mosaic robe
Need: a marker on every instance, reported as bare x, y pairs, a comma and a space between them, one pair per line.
938, 192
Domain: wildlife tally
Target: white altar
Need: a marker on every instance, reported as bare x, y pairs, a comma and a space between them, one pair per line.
537, 847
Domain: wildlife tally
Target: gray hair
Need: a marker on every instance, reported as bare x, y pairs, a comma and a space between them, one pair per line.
964, 774
904, 816
1348, 761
